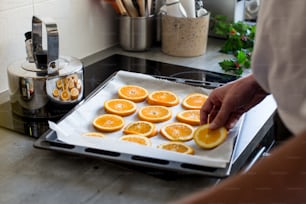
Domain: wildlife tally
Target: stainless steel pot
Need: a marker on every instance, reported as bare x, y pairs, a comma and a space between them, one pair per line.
35, 82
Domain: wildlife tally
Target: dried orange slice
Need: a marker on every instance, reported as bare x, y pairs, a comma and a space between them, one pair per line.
133, 93
78, 86
65, 96
108, 122
209, 139
194, 101
177, 147
139, 139
191, 117
120, 107
71, 84
94, 134
59, 83
74, 93
154, 114
163, 98
144, 128
177, 132
55, 92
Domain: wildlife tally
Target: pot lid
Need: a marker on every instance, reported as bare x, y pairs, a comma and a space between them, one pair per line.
66, 65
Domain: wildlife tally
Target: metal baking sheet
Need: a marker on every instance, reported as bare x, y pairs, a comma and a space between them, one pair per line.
149, 157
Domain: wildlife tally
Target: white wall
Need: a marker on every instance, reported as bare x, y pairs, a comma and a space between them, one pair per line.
85, 27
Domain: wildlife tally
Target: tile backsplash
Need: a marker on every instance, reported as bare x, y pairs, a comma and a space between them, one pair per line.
85, 27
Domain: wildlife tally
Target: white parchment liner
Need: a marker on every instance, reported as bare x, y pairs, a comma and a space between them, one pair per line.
70, 129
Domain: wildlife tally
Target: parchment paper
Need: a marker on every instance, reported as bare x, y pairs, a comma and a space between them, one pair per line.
70, 129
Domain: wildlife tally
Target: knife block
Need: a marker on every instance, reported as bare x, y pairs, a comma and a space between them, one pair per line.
184, 37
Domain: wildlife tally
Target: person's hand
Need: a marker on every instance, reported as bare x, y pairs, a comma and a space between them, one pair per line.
226, 104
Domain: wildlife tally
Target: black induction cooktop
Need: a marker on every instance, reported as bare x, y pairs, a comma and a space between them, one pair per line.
97, 73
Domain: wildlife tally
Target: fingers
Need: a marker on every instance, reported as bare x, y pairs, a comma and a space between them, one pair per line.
206, 110
211, 111
229, 122
219, 115
219, 119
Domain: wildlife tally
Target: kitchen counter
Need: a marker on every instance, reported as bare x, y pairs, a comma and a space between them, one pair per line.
207, 61
29, 175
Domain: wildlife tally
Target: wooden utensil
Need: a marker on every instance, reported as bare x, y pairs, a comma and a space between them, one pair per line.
121, 8
131, 9
142, 9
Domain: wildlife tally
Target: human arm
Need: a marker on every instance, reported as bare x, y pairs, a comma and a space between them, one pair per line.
279, 178
226, 104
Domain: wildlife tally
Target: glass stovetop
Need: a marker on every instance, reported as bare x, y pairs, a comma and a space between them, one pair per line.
94, 75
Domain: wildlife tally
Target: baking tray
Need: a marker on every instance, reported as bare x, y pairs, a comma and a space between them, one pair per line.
50, 141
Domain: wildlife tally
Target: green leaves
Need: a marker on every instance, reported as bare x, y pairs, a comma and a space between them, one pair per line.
236, 65
239, 42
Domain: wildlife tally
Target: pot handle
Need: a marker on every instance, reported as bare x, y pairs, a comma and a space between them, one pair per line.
45, 58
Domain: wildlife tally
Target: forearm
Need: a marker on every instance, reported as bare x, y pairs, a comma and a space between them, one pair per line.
279, 178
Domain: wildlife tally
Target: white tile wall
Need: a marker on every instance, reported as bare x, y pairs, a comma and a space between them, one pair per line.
85, 27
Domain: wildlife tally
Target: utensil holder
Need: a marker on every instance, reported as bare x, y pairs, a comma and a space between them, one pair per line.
136, 33
184, 37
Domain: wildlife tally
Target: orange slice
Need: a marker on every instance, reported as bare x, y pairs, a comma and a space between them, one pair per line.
65, 96
154, 114
163, 98
177, 132
120, 107
144, 128
71, 84
78, 86
194, 101
191, 117
108, 122
209, 139
59, 83
177, 147
133, 93
94, 134
139, 139
55, 92
74, 93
